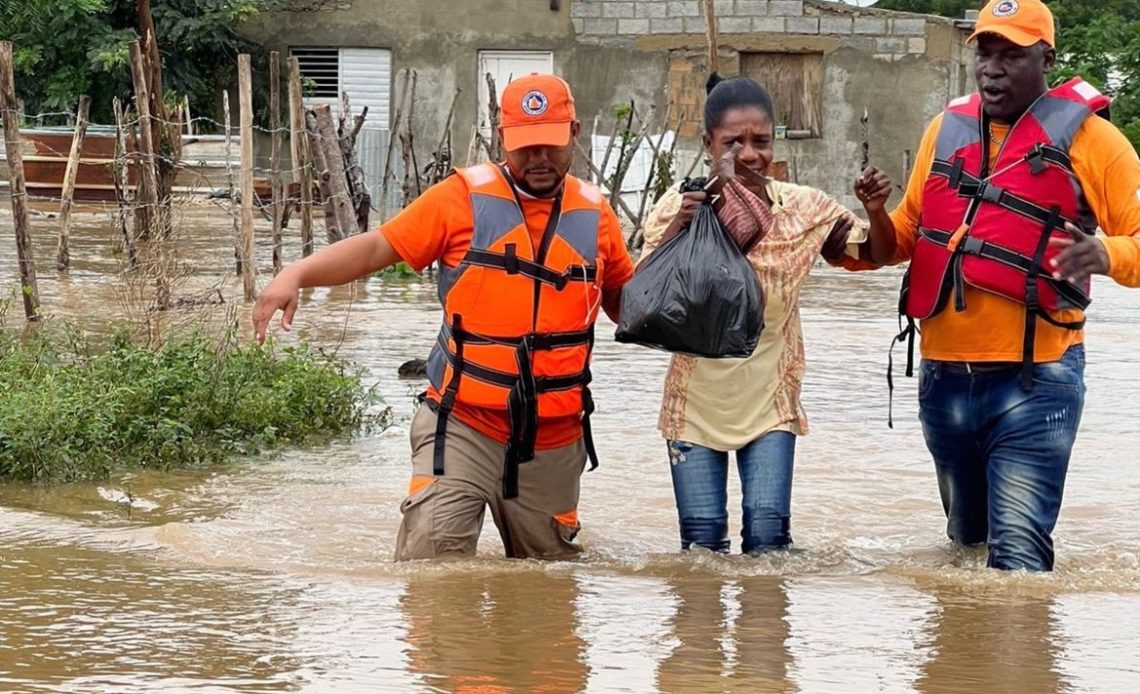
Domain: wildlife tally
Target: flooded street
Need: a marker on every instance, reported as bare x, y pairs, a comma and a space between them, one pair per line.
275, 574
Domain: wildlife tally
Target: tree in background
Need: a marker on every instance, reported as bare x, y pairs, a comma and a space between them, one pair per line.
1096, 39
65, 48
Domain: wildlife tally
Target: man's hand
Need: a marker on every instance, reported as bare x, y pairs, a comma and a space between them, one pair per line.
281, 294
873, 188
836, 243
1081, 256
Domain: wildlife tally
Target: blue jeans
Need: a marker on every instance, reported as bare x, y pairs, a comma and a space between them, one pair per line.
700, 484
1002, 453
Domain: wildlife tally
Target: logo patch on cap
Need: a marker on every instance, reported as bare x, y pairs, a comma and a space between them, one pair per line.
1008, 8
535, 103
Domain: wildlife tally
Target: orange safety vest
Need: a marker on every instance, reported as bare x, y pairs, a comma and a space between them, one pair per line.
518, 320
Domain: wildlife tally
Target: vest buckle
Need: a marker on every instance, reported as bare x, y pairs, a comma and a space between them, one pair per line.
511, 259
990, 193
1036, 159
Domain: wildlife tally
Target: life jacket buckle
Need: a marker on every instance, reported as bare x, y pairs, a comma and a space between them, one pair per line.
972, 245
1036, 159
990, 193
511, 259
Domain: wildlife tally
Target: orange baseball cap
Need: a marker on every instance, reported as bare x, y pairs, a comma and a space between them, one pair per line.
1025, 22
537, 110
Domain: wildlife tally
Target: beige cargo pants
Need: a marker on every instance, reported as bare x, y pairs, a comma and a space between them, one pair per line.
442, 516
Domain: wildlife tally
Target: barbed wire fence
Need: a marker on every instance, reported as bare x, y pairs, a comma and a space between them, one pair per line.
324, 170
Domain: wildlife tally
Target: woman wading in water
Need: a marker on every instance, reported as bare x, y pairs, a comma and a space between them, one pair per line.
752, 405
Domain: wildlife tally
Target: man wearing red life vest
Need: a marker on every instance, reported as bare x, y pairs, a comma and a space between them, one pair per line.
528, 256
998, 223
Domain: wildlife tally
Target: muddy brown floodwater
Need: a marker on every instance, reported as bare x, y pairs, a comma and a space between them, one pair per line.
275, 574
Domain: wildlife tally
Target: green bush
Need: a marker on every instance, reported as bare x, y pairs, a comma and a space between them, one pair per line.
76, 407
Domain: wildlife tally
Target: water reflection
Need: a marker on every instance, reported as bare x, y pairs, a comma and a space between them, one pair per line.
1000, 645
494, 632
88, 622
730, 635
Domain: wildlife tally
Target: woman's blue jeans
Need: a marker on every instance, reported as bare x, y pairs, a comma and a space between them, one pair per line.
700, 484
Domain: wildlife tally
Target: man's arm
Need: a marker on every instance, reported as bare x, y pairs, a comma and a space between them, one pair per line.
417, 236
618, 268
1109, 171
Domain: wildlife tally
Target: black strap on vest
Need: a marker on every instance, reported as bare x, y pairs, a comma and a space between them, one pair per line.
447, 399
510, 263
1033, 308
587, 410
971, 245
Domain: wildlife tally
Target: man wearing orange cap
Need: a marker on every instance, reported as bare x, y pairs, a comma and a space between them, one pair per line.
998, 223
527, 255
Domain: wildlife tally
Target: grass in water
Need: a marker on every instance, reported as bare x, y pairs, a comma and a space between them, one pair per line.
75, 407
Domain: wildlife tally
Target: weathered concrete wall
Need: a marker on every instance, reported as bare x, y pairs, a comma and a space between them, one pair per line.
903, 68
439, 40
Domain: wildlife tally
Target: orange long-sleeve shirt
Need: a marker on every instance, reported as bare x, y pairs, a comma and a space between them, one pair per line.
992, 327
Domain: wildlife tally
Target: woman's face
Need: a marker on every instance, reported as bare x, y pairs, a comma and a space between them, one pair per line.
752, 130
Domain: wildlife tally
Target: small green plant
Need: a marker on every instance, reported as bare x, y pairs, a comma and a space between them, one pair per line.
76, 407
399, 270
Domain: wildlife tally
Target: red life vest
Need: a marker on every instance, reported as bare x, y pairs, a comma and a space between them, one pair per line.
989, 226
518, 326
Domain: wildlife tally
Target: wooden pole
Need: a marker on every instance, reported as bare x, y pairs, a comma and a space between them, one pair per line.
621, 204
230, 181
275, 156
186, 111
610, 145
348, 130
122, 187
393, 137
245, 96
298, 142
153, 62
710, 36
146, 144
17, 188
440, 169
865, 144
321, 167
166, 137
411, 144
493, 118
622, 163
656, 147
63, 257
339, 198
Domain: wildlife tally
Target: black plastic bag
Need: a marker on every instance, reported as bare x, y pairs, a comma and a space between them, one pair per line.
697, 295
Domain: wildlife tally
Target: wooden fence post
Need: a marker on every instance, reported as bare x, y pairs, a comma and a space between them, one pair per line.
146, 144
122, 187
228, 126
275, 156
298, 142
245, 95
339, 198
18, 190
63, 257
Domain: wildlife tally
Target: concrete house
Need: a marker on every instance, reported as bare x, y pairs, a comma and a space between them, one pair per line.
824, 62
